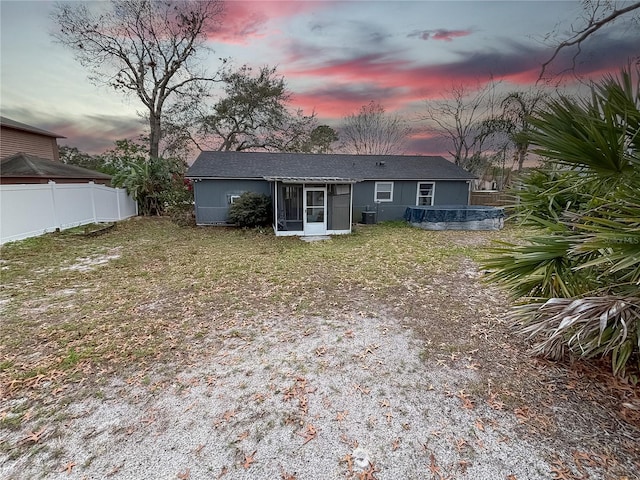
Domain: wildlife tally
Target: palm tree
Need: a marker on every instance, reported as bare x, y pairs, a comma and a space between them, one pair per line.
148, 181
577, 282
517, 109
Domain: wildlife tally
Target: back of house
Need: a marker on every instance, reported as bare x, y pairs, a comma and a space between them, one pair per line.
315, 194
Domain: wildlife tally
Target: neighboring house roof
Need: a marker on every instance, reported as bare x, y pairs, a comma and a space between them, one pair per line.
22, 165
261, 165
7, 122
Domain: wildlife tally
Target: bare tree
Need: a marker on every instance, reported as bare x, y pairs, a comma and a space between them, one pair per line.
597, 14
458, 119
144, 47
372, 131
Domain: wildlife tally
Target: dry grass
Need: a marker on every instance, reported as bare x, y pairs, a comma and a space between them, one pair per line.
150, 295
140, 293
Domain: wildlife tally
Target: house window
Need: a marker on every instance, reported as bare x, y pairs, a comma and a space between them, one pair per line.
383, 192
425, 193
233, 199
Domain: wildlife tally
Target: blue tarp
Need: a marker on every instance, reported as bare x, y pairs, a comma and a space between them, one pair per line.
452, 213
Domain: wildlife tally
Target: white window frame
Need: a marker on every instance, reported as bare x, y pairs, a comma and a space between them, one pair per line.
376, 191
233, 198
432, 196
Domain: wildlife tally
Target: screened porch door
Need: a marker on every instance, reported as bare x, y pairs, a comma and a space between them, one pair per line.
315, 210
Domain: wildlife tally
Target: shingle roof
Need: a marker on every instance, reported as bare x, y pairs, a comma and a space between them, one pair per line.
7, 122
24, 165
258, 165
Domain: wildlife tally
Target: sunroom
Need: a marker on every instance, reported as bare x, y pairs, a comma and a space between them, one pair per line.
308, 206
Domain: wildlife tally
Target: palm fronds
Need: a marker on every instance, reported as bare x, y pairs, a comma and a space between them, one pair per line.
544, 268
578, 279
588, 326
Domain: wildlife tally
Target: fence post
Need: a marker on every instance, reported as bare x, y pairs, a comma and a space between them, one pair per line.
93, 201
118, 203
56, 223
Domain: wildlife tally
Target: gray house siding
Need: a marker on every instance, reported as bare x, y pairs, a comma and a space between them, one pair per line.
213, 197
451, 193
405, 195
220, 175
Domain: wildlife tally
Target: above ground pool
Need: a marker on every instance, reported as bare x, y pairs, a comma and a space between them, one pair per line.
456, 217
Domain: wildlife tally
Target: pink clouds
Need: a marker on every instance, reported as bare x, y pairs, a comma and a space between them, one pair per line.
243, 21
96, 134
395, 83
338, 101
439, 34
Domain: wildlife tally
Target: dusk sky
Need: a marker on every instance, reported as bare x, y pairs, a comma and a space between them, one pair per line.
335, 55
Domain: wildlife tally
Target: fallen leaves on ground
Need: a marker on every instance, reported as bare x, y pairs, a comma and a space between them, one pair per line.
461, 444
522, 414
361, 389
309, 434
369, 473
34, 437
69, 467
341, 416
228, 415
466, 400
249, 460
389, 416
287, 476
299, 391
433, 467
560, 471
348, 459
495, 403
223, 471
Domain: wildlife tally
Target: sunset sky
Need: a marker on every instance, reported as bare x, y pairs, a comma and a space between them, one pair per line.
335, 55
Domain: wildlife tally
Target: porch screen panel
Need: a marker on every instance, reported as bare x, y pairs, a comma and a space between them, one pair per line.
315, 206
290, 207
339, 204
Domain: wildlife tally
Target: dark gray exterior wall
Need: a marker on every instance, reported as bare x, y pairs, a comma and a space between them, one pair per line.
404, 195
451, 193
212, 197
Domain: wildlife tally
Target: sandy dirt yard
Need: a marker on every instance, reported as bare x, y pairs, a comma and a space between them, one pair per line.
428, 383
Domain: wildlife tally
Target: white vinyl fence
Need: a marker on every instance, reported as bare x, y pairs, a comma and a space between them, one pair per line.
32, 210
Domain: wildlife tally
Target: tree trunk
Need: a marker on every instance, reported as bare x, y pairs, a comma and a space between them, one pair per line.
154, 135
522, 154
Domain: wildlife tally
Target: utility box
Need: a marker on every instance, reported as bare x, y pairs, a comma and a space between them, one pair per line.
369, 218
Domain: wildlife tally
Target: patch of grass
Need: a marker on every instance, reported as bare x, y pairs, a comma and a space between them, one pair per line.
5, 365
167, 290
11, 421
70, 360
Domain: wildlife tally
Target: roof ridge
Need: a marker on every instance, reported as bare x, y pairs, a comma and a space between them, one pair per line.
10, 123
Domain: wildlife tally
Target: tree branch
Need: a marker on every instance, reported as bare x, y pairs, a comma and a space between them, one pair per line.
579, 37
